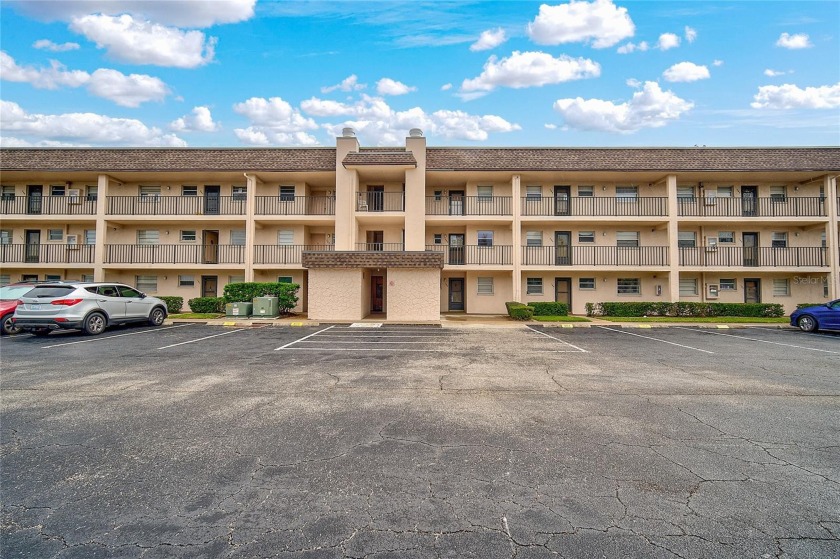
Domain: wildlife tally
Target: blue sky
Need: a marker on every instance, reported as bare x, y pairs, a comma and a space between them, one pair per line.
518, 73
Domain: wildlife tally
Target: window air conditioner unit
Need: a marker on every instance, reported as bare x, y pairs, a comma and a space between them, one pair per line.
72, 241
75, 195
713, 291
711, 244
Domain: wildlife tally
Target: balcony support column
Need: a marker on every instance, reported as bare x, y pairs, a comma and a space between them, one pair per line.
832, 242
250, 224
102, 183
414, 202
516, 225
673, 240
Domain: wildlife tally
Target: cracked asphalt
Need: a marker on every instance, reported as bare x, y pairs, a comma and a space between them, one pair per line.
415, 442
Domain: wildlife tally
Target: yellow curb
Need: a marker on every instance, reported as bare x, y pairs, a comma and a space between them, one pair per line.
228, 323
296, 324
722, 326
643, 326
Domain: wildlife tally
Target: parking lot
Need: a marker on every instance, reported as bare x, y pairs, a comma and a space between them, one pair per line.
418, 441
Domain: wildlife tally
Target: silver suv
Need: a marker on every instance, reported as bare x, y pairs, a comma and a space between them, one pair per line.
90, 307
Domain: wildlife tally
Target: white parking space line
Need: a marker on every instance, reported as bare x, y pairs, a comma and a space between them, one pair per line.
303, 338
204, 338
558, 339
652, 338
824, 336
319, 341
104, 338
758, 340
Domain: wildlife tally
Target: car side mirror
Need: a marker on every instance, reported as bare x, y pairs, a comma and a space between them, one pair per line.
142, 295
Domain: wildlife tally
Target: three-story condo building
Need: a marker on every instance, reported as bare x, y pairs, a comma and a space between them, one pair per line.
414, 231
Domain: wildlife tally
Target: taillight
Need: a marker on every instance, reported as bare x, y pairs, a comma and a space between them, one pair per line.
67, 302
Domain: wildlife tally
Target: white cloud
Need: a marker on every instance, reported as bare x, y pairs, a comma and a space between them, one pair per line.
686, 72
54, 77
690, 34
649, 108
773, 73
274, 122
199, 121
261, 137
634, 83
142, 42
80, 129
789, 96
798, 41
550, 126
530, 69
446, 87
627, 48
489, 39
350, 83
668, 41
717, 63
46, 44
387, 86
601, 22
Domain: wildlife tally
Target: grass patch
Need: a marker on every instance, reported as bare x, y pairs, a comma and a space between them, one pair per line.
702, 319
562, 319
197, 315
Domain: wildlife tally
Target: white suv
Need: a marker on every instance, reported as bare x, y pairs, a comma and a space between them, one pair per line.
90, 307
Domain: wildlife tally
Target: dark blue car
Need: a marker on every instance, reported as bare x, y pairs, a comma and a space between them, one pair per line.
820, 317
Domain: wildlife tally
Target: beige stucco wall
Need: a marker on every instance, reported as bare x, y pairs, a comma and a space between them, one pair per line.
413, 294
334, 294
804, 288
605, 287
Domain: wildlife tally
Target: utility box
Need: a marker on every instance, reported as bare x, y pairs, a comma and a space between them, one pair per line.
267, 306
242, 310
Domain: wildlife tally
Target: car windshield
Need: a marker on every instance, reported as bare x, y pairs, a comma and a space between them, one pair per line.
9, 292
48, 291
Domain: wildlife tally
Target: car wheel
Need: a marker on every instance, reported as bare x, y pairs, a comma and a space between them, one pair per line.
808, 324
94, 324
156, 317
41, 332
8, 327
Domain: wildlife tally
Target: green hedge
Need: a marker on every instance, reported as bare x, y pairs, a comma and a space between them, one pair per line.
684, 308
519, 311
549, 308
173, 304
207, 304
803, 305
246, 291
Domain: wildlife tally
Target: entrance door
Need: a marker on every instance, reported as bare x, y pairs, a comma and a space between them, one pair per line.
752, 290
375, 240
33, 245
34, 198
563, 248
563, 291
210, 241
456, 248
377, 287
212, 199
376, 198
209, 286
750, 249
749, 200
562, 200
456, 294
456, 202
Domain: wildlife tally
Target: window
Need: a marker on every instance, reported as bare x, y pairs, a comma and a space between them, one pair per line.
822, 239
586, 236
237, 237
186, 281
687, 239
485, 238
438, 195
586, 191
534, 286
586, 283
626, 192
58, 190
286, 237
236, 279
189, 190
91, 193
627, 238
284, 279
5, 236
825, 288
533, 192
149, 192
287, 193
146, 283
7, 193
87, 277
240, 193
52, 277
685, 192
688, 287
724, 191
5, 279
781, 287
148, 237
778, 193
485, 286
629, 286
533, 238
438, 238
779, 240
726, 237
55, 234
188, 236
728, 284
485, 192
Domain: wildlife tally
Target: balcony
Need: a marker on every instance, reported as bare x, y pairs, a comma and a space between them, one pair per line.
753, 257
380, 202
594, 206
495, 255
47, 205
284, 254
468, 205
174, 254
380, 247
295, 205
176, 205
786, 206
46, 254
594, 256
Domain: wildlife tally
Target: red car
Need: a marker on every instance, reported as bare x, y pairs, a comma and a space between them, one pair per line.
9, 296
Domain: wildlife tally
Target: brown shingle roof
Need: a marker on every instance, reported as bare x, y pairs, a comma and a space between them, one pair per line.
633, 159
380, 158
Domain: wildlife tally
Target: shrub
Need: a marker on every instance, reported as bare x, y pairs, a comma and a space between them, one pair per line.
684, 308
510, 304
245, 292
173, 304
549, 308
522, 312
803, 305
207, 304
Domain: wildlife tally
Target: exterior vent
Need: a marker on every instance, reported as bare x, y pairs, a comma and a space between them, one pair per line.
415, 133
348, 133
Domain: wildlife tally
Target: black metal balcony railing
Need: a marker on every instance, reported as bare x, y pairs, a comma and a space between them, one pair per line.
47, 205
753, 256
787, 206
284, 254
174, 254
594, 206
379, 247
495, 255
468, 205
176, 205
295, 205
380, 202
594, 256
46, 254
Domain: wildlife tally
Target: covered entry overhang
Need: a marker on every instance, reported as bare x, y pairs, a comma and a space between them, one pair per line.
349, 285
